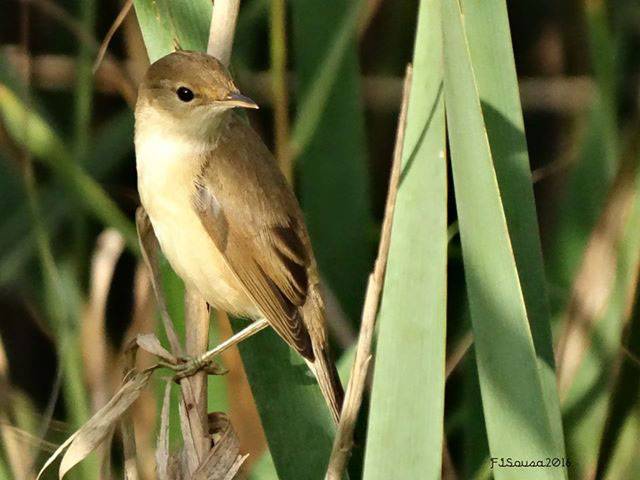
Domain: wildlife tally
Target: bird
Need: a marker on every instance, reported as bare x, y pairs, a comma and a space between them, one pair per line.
224, 215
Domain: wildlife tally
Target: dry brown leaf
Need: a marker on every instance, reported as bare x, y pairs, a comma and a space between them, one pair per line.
112, 31
145, 410
96, 353
162, 450
104, 455
57, 453
92, 433
19, 455
150, 343
129, 448
223, 460
98, 427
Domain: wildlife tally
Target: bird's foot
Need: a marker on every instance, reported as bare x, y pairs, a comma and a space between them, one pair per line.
189, 366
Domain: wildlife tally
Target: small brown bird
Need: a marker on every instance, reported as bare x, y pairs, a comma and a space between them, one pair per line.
222, 211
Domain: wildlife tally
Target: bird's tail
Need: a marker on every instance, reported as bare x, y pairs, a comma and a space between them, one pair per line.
328, 379
323, 366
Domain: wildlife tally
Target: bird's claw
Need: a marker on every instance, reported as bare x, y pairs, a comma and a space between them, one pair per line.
189, 366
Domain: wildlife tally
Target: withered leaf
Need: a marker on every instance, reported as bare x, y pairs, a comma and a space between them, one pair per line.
150, 343
162, 450
223, 460
98, 427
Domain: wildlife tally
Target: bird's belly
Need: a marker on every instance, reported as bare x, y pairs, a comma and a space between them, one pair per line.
195, 259
187, 246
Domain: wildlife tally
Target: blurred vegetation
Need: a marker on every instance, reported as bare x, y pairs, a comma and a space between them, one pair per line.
513, 270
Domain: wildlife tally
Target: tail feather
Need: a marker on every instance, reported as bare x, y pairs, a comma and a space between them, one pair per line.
322, 364
328, 379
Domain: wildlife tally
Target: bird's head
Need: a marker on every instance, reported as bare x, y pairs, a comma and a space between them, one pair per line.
188, 90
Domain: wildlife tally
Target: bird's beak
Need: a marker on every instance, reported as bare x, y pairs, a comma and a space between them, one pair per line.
236, 99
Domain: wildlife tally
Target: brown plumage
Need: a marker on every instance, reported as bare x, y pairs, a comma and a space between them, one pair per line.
224, 215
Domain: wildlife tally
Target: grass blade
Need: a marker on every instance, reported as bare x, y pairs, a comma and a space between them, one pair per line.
412, 314
166, 25
491, 53
295, 418
475, 436
514, 401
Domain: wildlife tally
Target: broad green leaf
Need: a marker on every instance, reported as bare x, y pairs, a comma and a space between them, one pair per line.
294, 415
489, 40
264, 468
167, 24
516, 413
407, 404
475, 444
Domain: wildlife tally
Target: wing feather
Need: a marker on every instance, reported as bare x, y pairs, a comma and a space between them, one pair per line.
258, 229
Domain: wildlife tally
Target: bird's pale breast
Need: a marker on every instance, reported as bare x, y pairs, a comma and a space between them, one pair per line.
166, 168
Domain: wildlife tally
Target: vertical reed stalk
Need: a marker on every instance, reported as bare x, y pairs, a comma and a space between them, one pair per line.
279, 86
196, 314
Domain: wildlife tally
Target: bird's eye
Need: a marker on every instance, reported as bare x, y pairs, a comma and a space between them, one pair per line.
184, 94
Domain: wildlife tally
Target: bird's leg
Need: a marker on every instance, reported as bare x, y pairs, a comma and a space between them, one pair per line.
203, 362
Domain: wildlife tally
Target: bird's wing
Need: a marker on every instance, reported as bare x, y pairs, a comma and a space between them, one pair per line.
252, 217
